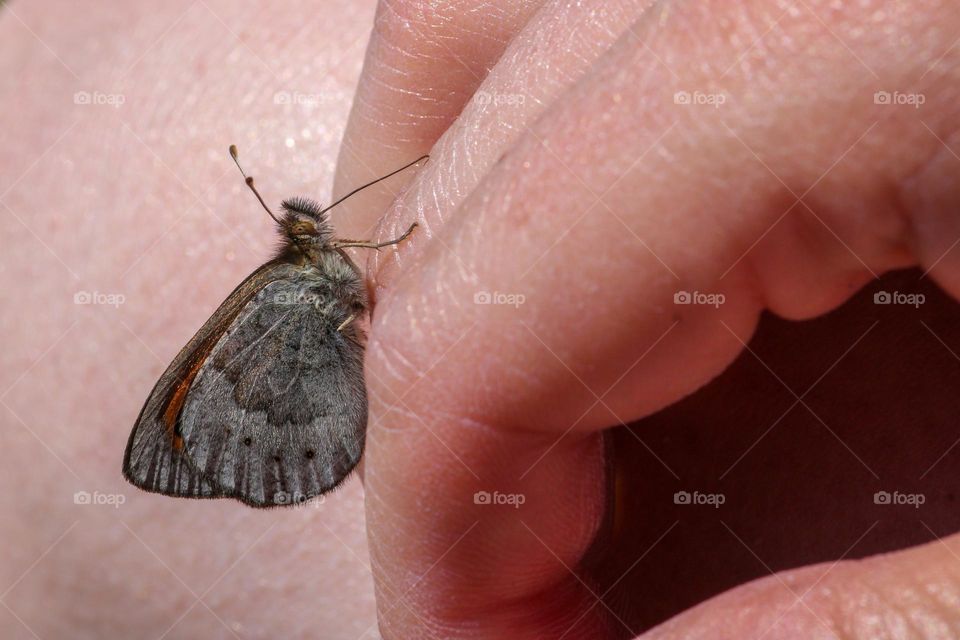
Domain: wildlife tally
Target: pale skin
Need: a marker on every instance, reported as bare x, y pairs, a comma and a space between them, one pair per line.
127, 222
464, 397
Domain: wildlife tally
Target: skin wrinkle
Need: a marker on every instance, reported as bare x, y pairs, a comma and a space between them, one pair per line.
400, 410
392, 364
392, 85
420, 12
395, 85
402, 25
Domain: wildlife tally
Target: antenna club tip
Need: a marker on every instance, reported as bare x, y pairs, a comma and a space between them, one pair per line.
233, 151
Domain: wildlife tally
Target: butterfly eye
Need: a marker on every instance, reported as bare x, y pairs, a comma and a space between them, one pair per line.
303, 228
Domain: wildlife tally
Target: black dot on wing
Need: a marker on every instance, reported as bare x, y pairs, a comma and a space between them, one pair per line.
276, 457
248, 441
311, 453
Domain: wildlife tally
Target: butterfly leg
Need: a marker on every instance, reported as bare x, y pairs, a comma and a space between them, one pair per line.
343, 325
374, 245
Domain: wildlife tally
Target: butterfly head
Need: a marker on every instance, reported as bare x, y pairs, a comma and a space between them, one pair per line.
305, 223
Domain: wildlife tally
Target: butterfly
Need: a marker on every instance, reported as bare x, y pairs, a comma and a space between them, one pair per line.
266, 404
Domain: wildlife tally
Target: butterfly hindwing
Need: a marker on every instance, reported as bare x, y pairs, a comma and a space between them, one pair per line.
277, 412
155, 458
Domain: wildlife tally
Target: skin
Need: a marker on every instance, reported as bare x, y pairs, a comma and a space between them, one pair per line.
468, 397
99, 204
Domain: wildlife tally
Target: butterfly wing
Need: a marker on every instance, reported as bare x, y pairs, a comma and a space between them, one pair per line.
277, 411
155, 459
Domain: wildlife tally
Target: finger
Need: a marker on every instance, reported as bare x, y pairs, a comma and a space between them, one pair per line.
470, 396
512, 96
423, 63
910, 589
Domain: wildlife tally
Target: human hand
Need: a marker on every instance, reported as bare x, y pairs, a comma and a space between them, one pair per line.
597, 197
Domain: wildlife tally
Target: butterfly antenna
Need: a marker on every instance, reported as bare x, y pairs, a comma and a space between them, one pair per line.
370, 184
249, 181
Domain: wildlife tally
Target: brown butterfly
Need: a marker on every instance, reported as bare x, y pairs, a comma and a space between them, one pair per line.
266, 403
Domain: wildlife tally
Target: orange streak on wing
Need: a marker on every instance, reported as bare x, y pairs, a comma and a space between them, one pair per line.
175, 404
